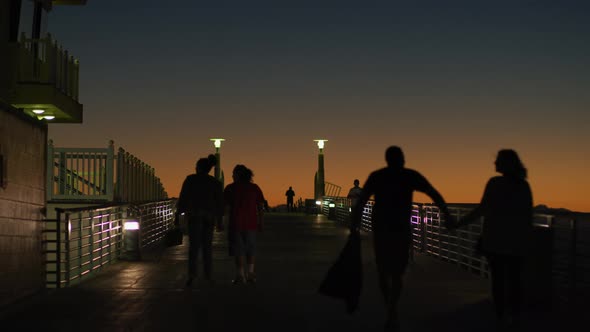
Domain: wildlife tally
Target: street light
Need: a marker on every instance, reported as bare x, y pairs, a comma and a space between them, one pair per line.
319, 176
217, 144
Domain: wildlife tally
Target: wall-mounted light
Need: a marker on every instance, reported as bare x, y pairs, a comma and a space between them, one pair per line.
38, 111
48, 117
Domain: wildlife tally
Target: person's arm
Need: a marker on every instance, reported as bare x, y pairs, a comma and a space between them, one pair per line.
182, 203
357, 209
424, 186
260, 217
479, 210
220, 207
260, 210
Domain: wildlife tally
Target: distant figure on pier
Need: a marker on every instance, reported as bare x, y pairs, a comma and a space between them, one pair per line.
354, 193
245, 203
507, 209
290, 194
201, 200
393, 187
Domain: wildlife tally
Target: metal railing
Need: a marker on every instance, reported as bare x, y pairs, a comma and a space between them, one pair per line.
44, 61
98, 174
82, 241
560, 241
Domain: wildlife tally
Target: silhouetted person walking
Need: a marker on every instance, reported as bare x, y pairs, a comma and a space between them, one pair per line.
290, 195
393, 188
201, 200
354, 193
507, 210
245, 203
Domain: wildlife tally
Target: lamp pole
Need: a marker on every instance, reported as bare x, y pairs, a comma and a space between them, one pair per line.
319, 178
217, 144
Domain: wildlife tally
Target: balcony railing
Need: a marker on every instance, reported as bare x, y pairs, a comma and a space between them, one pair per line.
44, 61
97, 174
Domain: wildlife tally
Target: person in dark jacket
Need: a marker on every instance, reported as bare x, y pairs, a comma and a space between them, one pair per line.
393, 188
507, 210
201, 200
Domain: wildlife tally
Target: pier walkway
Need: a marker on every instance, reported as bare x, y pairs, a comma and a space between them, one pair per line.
295, 251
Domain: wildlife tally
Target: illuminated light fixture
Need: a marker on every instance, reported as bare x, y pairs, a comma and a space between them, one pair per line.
318, 202
48, 117
320, 143
38, 111
332, 205
131, 225
217, 142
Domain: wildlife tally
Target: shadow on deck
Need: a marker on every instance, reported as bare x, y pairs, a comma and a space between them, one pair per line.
295, 252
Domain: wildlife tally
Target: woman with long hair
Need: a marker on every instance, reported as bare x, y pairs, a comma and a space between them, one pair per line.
507, 211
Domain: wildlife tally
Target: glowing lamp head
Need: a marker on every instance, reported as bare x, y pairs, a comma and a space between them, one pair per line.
131, 225
38, 111
48, 117
217, 142
320, 143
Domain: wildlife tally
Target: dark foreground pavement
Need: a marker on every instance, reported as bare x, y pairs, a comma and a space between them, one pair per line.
295, 251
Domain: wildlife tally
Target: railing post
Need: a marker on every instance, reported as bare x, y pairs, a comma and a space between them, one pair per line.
58, 248
422, 214
49, 172
110, 171
573, 262
67, 235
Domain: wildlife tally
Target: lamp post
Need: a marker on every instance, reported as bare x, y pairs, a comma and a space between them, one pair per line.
319, 176
217, 144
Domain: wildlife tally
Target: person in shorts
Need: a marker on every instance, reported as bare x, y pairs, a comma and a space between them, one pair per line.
244, 203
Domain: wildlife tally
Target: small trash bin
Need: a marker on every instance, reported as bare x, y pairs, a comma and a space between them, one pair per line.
131, 240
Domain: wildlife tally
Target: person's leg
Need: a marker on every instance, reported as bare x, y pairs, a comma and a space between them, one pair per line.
194, 243
207, 243
250, 246
239, 251
513, 288
498, 276
391, 255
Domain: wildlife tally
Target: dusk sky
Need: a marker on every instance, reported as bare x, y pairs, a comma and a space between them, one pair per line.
451, 82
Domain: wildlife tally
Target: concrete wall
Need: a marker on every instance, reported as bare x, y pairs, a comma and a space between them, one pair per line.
22, 204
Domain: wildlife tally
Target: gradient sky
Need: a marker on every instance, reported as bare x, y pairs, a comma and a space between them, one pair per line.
451, 82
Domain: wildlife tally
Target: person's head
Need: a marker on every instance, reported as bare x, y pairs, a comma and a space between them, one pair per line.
508, 163
394, 157
212, 161
242, 173
356, 182
202, 165
290, 187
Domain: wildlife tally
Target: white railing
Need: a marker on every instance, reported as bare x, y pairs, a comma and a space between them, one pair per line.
82, 241
97, 174
560, 243
44, 61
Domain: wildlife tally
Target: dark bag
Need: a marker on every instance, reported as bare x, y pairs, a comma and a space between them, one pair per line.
174, 237
345, 277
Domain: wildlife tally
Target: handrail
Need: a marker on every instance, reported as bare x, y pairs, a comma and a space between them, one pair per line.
81, 241
100, 175
431, 237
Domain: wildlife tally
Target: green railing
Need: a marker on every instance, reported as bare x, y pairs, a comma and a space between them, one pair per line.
100, 175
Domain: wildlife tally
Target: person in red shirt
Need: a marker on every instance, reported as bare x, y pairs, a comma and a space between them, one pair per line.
244, 203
